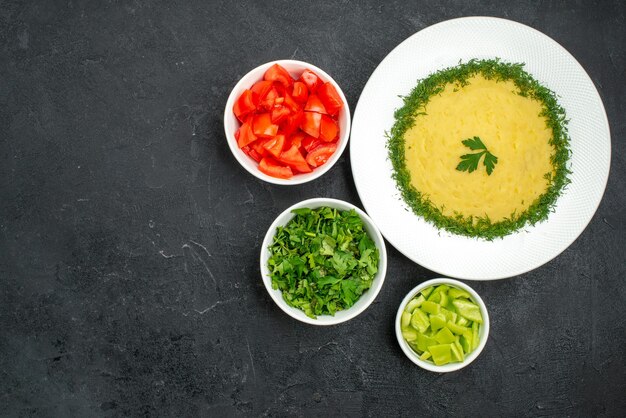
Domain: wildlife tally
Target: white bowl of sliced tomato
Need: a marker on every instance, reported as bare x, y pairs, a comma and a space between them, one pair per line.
287, 122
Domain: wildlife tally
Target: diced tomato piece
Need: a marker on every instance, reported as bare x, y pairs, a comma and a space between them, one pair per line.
296, 139
251, 153
279, 114
244, 105
280, 89
262, 126
291, 103
310, 143
311, 80
268, 102
270, 167
300, 92
246, 135
258, 147
260, 90
330, 97
255, 155
328, 129
314, 104
237, 134
321, 154
294, 159
311, 122
279, 74
275, 145
292, 122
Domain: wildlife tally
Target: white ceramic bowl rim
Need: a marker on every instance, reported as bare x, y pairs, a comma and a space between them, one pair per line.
231, 123
450, 367
364, 301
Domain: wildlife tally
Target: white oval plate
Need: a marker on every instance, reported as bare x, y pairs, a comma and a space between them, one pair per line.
443, 45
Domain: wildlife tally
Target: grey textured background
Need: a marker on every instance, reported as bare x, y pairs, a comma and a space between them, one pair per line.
129, 235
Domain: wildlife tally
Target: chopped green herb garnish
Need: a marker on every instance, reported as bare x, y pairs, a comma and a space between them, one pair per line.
323, 260
469, 162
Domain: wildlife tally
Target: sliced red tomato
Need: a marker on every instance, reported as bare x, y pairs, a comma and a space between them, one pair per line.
257, 146
246, 135
255, 155
328, 129
262, 126
309, 143
330, 97
280, 89
260, 90
321, 154
311, 122
296, 139
244, 105
314, 104
311, 80
268, 102
292, 123
291, 103
294, 159
279, 113
251, 153
275, 145
272, 168
279, 74
300, 92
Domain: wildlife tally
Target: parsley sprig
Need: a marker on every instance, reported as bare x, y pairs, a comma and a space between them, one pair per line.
469, 162
322, 260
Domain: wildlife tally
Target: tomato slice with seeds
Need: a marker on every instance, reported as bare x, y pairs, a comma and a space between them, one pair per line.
244, 105
279, 74
270, 167
330, 98
311, 122
328, 129
314, 104
311, 80
321, 154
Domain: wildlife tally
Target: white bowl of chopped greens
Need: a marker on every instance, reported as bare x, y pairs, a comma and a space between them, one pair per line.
323, 261
442, 325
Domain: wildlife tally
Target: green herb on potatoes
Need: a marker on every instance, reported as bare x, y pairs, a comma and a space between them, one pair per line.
469, 162
442, 325
323, 260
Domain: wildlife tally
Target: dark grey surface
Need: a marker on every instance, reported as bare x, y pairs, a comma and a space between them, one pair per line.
129, 235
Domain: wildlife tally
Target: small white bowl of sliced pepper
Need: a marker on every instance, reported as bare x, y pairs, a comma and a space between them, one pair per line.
442, 325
